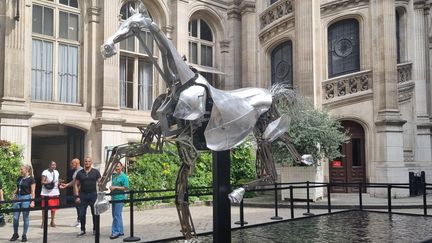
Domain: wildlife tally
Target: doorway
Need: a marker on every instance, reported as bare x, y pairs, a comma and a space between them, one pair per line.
56, 143
351, 167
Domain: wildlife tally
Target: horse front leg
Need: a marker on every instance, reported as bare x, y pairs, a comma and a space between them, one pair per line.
188, 156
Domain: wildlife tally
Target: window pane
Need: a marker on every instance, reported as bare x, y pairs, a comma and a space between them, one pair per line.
48, 21
68, 74
148, 39
37, 19
206, 55
193, 28
129, 82
73, 3
145, 85
65, 2
343, 47
122, 81
398, 42
73, 26
281, 64
206, 33
42, 75
356, 152
63, 25
193, 52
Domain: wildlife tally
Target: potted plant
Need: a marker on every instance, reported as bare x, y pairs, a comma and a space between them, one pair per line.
314, 132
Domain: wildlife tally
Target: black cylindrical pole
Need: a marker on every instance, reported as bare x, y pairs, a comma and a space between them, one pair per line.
131, 238
97, 233
389, 206
424, 199
328, 198
360, 196
308, 213
45, 220
241, 222
276, 216
291, 201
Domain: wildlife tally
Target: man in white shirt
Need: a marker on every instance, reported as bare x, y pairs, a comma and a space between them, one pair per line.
50, 190
75, 165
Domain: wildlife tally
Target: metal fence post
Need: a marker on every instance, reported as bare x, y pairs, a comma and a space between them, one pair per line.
389, 186
291, 201
308, 213
424, 199
360, 196
131, 238
328, 198
45, 220
276, 216
97, 233
241, 222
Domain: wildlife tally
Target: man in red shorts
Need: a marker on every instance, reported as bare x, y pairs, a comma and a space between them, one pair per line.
50, 189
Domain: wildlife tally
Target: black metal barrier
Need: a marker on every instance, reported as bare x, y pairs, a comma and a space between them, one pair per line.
205, 191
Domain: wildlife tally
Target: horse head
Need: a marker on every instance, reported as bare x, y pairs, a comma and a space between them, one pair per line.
139, 19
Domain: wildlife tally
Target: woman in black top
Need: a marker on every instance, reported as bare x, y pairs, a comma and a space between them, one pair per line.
25, 191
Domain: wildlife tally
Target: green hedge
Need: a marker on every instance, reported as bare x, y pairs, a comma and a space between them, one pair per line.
10, 163
159, 171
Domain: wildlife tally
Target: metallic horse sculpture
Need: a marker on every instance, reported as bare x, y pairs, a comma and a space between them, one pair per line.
196, 116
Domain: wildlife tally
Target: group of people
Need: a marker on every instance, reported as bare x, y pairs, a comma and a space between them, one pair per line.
84, 183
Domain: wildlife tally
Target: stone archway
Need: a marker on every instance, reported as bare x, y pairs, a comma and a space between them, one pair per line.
55, 143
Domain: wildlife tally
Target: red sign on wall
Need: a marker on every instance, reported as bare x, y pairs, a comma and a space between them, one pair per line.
336, 163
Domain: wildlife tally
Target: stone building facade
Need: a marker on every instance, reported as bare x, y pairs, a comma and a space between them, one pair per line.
367, 61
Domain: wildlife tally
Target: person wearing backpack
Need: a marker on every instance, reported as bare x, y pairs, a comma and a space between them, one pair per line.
50, 190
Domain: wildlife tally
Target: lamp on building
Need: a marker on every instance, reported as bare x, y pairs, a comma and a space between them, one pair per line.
17, 15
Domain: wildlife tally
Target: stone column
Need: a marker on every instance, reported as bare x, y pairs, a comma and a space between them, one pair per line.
388, 155
233, 64
15, 74
423, 151
307, 61
249, 43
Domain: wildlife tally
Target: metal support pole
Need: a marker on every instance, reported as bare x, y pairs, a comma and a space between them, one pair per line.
45, 220
291, 201
97, 233
360, 196
328, 198
424, 199
389, 206
241, 222
221, 202
308, 213
131, 238
276, 216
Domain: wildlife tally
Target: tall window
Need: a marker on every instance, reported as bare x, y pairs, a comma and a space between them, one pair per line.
201, 49
55, 51
401, 17
136, 68
343, 47
281, 64
398, 49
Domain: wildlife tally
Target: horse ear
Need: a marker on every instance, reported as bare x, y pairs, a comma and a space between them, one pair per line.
142, 9
131, 10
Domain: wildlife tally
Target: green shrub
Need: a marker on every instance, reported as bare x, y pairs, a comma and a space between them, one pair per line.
10, 163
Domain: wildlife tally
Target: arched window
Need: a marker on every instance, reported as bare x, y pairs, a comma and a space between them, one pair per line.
136, 68
400, 34
282, 65
343, 47
55, 51
201, 50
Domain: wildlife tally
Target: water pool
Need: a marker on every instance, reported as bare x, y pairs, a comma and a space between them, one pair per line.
351, 226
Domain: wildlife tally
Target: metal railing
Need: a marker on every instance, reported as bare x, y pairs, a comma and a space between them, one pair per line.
205, 191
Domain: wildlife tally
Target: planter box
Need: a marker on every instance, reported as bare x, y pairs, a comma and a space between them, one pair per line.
303, 174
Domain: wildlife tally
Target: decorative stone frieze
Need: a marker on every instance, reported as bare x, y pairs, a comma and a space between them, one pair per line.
282, 25
347, 84
224, 45
276, 11
341, 5
405, 91
404, 72
93, 14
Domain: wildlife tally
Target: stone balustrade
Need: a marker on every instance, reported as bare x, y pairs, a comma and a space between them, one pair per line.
404, 72
276, 11
347, 84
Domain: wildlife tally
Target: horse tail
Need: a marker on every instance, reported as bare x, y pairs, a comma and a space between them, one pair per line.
283, 95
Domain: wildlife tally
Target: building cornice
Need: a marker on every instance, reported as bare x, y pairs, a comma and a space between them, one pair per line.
284, 24
341, 5
25, 115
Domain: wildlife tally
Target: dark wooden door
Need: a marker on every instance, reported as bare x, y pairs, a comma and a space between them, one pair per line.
350, 168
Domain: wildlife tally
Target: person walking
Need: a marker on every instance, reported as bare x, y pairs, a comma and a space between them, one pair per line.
75, 165
85, 192
25, 191
120, 184
50, 190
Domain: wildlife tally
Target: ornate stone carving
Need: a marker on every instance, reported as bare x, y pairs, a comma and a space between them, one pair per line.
347, 84
404, 72
335, 6
276, 11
